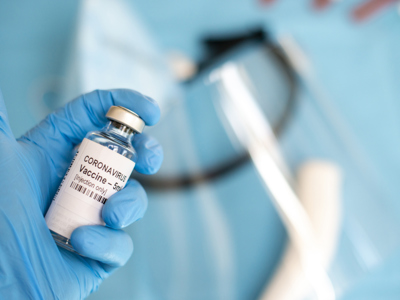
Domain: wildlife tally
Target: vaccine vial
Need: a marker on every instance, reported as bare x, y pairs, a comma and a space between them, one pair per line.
101, 167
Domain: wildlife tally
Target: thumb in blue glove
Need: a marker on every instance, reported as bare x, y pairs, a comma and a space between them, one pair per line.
31, 265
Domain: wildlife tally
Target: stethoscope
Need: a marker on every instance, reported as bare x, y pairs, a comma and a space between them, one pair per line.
221, 50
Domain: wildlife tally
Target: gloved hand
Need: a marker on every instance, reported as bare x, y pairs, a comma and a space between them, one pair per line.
32, 167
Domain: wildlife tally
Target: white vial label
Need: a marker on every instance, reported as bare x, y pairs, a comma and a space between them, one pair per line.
95, 173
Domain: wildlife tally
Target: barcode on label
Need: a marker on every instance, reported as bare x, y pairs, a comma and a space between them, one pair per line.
87, 192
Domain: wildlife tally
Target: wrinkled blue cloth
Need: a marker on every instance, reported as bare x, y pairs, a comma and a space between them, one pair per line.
31, 265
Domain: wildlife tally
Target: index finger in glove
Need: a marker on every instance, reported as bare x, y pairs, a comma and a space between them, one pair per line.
126, 206
65, 128
109, 246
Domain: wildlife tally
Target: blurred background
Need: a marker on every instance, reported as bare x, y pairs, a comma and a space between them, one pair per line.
280, 127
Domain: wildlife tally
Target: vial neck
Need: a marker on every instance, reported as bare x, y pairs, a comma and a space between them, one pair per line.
120, 130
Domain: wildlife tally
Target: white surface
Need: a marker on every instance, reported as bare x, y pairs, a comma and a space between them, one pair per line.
254, 132
318, 187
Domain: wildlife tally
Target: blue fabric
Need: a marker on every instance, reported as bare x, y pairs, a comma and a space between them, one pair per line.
357, 66
33, 57
31, 265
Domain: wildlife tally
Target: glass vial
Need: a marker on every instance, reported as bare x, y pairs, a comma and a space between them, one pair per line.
101, 167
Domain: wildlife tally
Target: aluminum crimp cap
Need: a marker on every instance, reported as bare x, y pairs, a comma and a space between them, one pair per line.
127, 117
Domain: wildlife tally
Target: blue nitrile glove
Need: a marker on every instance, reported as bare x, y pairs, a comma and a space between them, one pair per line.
31, 169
